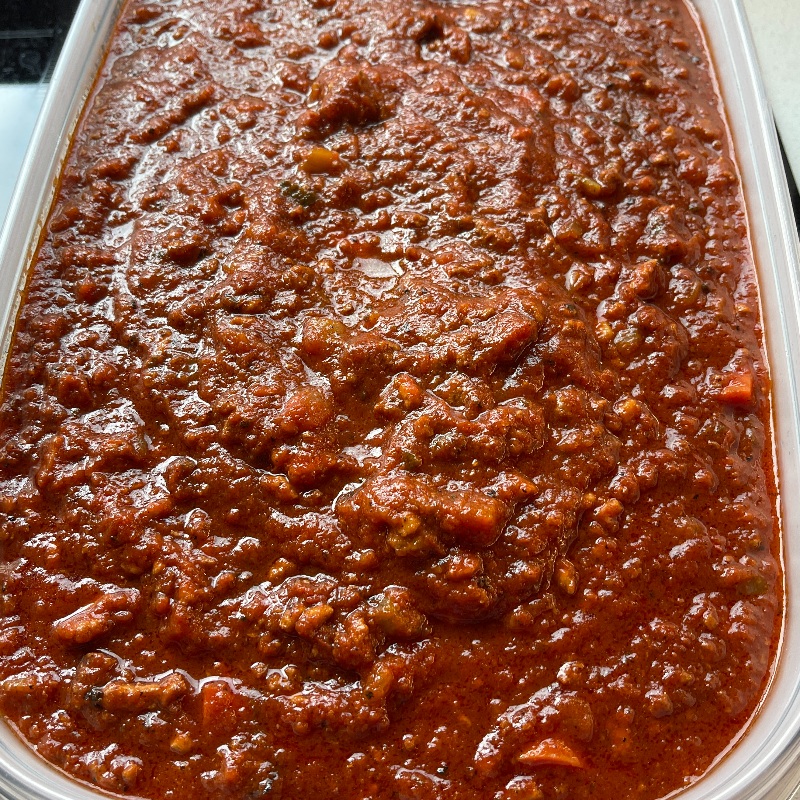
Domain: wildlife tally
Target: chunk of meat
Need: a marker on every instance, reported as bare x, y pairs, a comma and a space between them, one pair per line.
135, 697
113, 608
420, 517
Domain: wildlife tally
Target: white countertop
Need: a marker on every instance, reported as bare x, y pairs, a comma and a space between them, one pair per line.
776, 31
19, 107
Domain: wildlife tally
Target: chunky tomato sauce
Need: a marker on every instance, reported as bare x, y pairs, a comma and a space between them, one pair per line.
387, 415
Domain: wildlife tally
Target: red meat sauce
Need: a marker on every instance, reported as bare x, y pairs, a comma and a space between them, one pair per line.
387, 415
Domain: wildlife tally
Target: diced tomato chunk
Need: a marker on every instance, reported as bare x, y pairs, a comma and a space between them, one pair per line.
219, 708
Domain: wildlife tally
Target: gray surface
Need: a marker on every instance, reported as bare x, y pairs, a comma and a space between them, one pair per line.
19, 107
776, 31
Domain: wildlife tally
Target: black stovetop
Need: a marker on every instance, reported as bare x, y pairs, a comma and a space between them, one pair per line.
31, 34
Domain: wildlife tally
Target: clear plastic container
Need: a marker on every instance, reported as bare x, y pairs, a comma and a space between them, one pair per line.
765, 763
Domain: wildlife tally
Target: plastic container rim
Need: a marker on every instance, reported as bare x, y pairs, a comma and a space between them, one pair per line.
765, 763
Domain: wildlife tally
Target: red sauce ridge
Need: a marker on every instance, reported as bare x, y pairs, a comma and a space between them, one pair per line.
387, 415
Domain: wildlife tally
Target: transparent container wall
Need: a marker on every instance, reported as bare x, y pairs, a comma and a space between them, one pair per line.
73, 78
23, 775
765, 765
